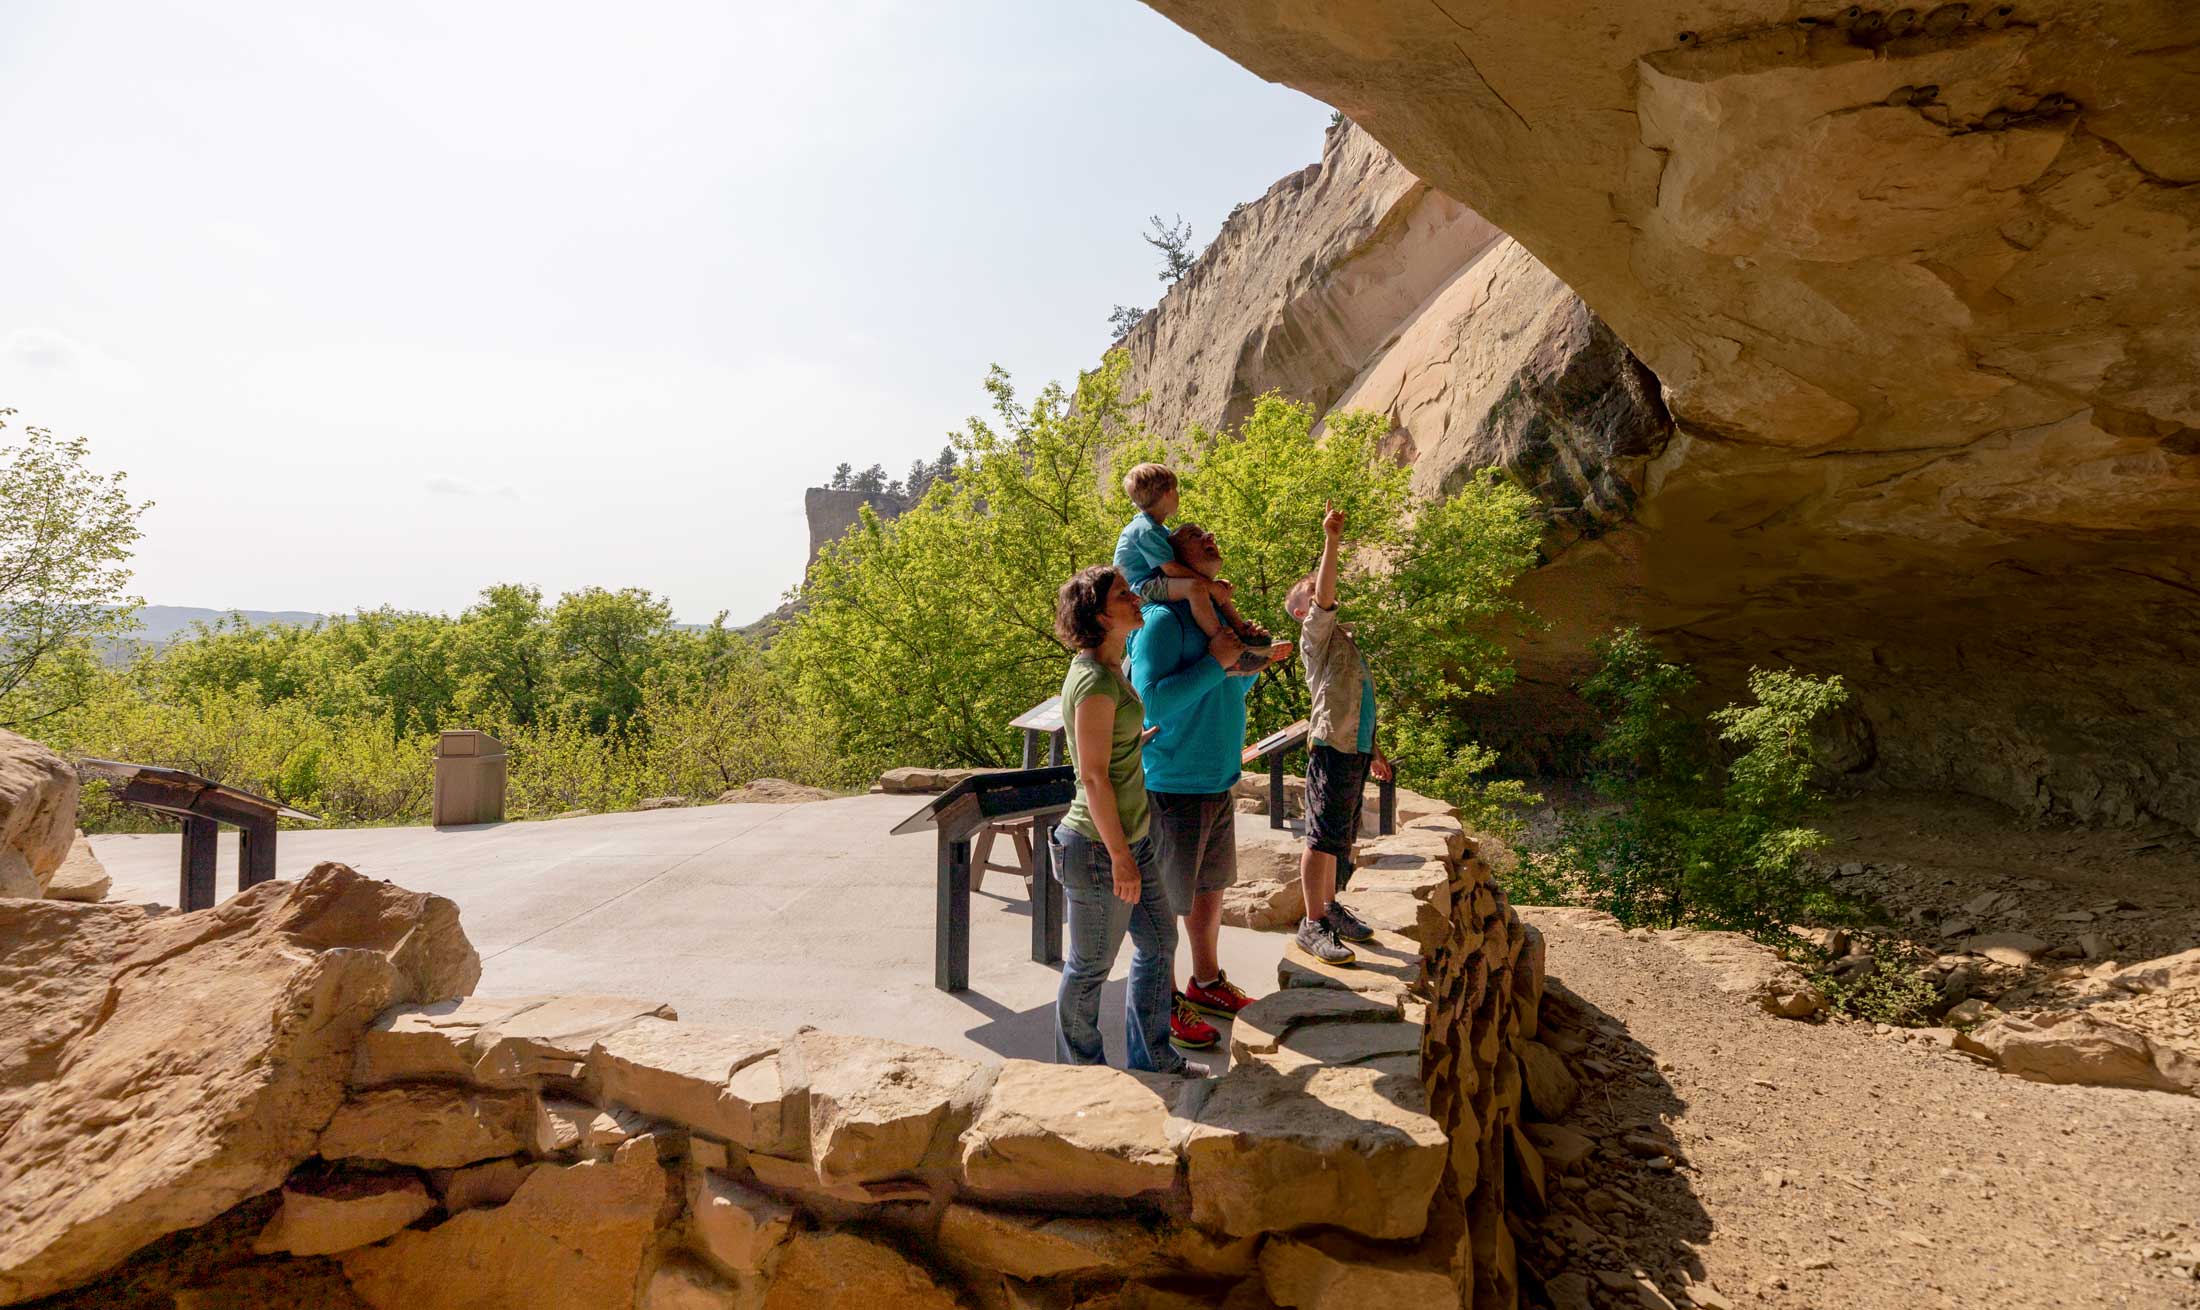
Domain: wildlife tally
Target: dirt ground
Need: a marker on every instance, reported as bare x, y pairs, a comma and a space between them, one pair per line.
1824, 1164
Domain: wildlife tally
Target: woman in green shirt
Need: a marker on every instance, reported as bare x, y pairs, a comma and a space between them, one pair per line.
1101, 851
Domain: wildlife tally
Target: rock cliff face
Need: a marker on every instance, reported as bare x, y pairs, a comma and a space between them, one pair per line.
1919, 288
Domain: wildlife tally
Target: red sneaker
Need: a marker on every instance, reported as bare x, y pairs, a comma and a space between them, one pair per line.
1187, 1029
1221, 997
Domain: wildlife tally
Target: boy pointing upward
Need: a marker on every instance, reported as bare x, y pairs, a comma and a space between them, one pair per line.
1340, 758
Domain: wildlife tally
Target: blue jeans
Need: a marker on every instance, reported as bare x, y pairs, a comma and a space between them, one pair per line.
1096, 921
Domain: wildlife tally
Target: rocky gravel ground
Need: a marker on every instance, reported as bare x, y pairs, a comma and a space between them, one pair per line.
1948, 867
1708, 1153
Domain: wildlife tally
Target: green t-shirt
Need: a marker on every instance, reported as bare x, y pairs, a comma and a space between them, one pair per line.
1088, 677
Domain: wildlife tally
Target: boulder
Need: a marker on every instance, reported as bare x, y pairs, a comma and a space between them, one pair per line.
1044, 1246
877, 1109
1350, 1147
736, 1226
1386, 966
681, 1283
919, 782
1263, 905
1549, 1083
679, 1072
2011, 948
2072, 1046
489, 1183
325, 1215
81, 876
501, 1042
649, 803
2169, 973
1313, 1045
37, 815
1563, 1149
1394, 911
571, 1238
431, 1126
569, 1127
163, 1069
1741, 967
1331, 1272
1053, 1130
850, 1269
1262, 1026
1266, 854
773, 791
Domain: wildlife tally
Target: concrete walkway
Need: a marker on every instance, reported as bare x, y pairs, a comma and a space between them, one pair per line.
756, 916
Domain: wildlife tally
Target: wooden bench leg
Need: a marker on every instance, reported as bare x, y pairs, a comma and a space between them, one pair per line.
981, 857
1022, 837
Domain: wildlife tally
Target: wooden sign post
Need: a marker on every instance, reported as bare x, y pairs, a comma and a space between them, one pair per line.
202, 805
957, 815
1272, 748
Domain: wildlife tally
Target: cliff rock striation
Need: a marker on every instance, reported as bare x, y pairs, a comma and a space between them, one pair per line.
1919, 289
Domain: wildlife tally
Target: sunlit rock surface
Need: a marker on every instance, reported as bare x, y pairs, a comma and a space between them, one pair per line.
1922, 291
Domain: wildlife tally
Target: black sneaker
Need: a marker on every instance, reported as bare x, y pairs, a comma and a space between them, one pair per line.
1318, 939
1349, 926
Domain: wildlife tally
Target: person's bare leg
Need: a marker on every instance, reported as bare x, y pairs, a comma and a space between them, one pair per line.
1242, 626
1203, 925
1203, 608
1317, 881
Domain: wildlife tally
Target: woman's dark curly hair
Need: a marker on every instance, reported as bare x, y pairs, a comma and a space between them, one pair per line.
1079, 605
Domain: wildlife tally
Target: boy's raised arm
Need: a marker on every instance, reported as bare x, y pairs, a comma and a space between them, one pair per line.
1325, 578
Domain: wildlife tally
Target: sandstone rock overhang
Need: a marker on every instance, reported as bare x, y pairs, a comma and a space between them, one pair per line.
1919, 288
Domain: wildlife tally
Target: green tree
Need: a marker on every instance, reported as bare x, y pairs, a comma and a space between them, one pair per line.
1174, 241
1707, 822
924, 637
603, 645
500, 657
729, 723
66, 536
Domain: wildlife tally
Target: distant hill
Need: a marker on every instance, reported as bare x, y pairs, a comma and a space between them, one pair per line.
161, 624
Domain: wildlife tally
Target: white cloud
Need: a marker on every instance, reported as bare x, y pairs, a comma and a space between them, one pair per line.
53, 353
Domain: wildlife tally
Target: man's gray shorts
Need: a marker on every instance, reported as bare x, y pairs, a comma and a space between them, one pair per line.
1195, 843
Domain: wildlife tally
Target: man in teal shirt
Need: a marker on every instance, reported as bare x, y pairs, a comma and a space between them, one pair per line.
1197, 708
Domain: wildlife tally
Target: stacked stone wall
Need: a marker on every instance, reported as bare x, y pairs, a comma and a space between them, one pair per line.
595, 1152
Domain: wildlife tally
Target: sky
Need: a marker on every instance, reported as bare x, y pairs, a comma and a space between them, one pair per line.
383, 304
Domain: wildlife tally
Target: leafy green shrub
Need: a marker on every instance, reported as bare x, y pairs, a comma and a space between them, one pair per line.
1690, 838
1893, 991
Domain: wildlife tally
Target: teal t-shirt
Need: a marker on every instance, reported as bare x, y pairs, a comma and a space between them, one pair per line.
1088, 677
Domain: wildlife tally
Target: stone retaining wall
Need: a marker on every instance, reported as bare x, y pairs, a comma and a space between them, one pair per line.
594, 1152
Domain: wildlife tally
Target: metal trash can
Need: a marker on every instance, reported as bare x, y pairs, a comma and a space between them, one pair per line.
469, 778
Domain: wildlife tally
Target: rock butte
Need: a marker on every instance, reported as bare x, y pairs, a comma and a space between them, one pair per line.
1932, 368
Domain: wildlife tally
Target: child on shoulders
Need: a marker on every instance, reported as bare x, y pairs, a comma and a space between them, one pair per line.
1147, 560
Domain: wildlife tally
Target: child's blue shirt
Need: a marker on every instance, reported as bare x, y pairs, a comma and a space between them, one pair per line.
1142, 549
